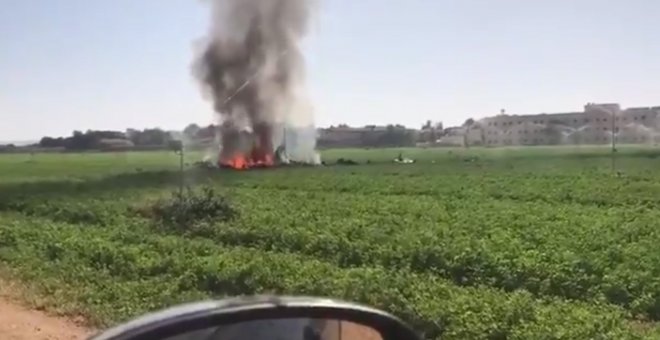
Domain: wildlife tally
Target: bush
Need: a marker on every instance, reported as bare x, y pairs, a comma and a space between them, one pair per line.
186, 208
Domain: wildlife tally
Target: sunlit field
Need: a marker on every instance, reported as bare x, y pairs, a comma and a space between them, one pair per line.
512, 243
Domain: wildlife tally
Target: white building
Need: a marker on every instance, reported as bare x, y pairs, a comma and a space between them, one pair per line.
597, 124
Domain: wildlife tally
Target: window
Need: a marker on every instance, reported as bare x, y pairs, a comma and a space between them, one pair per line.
586, 120
495, 124
519, 122
643, 117
597, 119
635, 118
617, 119
540, 122
605, 120
574, 120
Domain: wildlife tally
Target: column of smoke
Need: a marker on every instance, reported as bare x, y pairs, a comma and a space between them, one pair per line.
253, 71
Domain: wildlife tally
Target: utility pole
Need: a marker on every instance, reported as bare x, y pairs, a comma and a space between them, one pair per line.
181, 175
177, 147
613, 141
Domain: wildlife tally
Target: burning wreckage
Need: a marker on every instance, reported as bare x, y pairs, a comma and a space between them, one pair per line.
253, 71
242, 150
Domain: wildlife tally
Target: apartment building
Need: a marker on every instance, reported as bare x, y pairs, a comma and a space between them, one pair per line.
596, 124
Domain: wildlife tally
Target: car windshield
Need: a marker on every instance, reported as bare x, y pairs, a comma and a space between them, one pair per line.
480, 169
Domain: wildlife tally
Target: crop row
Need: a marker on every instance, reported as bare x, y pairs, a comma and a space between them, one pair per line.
547, 248
569, 251
116, 273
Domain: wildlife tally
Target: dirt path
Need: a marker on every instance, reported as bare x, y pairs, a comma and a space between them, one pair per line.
20, 323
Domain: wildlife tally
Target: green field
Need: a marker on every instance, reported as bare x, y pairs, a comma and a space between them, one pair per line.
532, 243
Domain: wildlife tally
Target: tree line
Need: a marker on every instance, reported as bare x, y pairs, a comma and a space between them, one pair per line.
92, 139
372, 136
132, 138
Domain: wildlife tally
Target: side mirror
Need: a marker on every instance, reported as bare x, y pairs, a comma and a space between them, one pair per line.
264, 318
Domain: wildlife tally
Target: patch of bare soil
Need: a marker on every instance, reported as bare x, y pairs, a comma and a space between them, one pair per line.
18, 322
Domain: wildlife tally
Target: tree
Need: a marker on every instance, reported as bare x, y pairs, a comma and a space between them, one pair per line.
91, 139
151, 137
80, 141
208, 132
396, 135
50, 142
467, 125
191, 131
431, 132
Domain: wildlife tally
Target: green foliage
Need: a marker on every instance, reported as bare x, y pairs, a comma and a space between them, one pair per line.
513, 244
188, 207
124, 271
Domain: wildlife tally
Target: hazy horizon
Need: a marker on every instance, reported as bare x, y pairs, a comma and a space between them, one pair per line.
91, 64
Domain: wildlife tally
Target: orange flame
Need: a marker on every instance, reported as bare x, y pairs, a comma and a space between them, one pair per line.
261, 154
237, 162
256, 159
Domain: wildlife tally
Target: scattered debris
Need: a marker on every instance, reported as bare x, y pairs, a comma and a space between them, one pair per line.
401, 160
343, 161
404, 161
205, 164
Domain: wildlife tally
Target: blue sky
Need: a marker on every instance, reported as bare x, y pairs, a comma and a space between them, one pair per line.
98, 64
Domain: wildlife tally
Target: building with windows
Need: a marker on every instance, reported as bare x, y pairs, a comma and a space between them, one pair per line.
596, 124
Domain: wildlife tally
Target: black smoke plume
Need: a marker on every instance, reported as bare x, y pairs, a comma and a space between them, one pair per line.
253, 70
